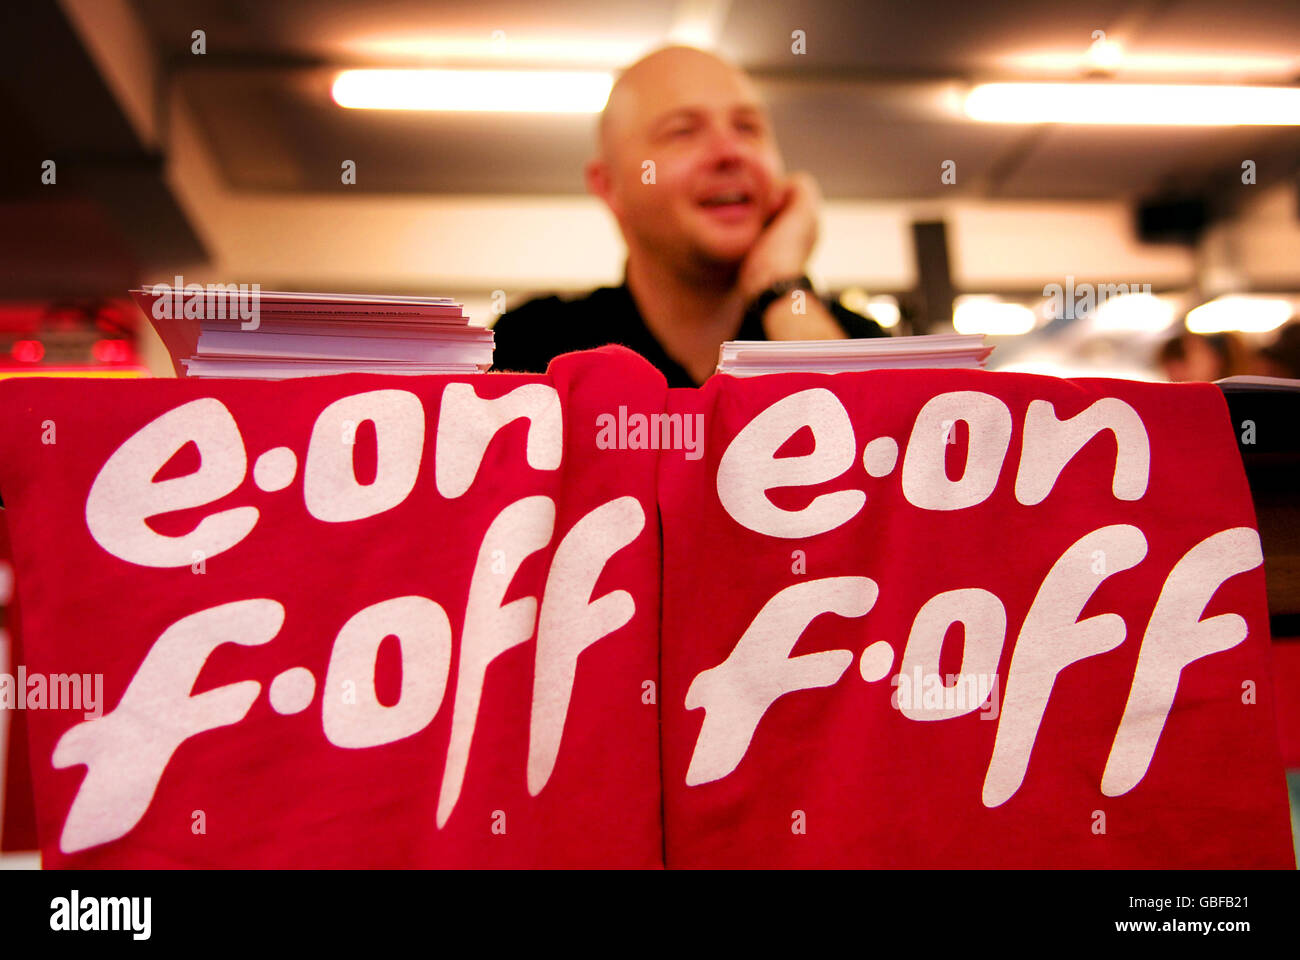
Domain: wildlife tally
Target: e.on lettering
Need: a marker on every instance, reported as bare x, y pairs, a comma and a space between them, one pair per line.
126, 750
736, 693
126, 754
749, 467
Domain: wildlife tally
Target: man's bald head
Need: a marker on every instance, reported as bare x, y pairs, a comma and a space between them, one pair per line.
663, 79
687, 162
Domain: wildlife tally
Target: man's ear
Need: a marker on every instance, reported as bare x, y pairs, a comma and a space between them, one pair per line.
600, 183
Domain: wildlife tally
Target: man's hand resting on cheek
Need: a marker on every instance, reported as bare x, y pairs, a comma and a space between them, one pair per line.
781, 253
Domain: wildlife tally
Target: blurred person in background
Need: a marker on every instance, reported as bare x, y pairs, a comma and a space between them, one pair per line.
718, 237
1193, 356
1281, 358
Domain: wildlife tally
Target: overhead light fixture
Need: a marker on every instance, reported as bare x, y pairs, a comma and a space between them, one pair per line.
1134, 103
508, 91
1187, 67
991, 316
1239, 313
1104, 54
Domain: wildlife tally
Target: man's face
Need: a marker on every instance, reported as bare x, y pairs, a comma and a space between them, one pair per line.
717, 169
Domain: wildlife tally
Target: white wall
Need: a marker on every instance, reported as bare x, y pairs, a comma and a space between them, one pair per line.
1260, 247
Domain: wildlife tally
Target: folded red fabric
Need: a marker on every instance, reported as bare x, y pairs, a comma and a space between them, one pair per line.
313, 605
957, 618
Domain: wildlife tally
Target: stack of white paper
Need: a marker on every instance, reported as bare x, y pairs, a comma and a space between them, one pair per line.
1242, 384
752, 358
275, 335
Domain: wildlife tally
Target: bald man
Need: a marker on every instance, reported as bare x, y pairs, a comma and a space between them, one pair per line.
718, 236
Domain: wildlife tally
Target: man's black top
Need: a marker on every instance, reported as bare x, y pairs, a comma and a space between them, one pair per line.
530, 336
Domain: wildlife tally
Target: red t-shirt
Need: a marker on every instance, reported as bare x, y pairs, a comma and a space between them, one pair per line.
872, 651
313, 605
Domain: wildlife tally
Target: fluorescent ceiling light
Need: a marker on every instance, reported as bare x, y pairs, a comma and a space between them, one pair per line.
1239, 312
1187, 65
991, 316
1134, 103
512, 91
1138, 312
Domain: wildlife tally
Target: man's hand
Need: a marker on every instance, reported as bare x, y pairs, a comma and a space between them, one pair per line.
782, 249
781, 253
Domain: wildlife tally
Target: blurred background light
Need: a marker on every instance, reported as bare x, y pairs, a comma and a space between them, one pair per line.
1240, 313
1104, 54
884, 310
979, 313
513, 91
1134, 103
1187, 65
1139, 312
881, 308
27, 351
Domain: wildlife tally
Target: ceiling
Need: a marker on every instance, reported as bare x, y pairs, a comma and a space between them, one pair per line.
864, 108
868, 108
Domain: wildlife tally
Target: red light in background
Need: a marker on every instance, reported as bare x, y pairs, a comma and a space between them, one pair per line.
111, 351
28, 351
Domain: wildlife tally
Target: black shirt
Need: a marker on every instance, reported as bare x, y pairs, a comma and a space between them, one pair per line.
531, 335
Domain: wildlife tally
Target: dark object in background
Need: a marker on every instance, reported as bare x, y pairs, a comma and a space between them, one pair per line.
934, 287
1264, 423
1172, 219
